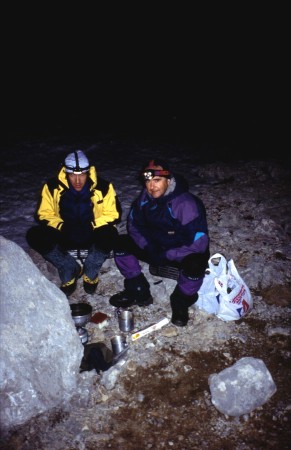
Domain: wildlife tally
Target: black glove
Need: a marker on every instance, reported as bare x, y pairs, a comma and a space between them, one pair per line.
66, 228
156, 256
105, 238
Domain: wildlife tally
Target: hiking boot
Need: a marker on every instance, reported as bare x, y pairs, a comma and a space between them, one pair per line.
89, 285
180, 317
180, 303
136, 292
70, 286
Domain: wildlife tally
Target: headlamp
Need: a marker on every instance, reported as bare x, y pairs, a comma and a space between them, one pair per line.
149, 174
76, 170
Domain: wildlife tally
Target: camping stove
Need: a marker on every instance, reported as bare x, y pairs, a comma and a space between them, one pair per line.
81, 314
83, 334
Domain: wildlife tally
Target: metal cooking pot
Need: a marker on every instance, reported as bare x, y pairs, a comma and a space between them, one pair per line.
81, 313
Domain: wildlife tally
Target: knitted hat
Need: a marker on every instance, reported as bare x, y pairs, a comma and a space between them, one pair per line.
156, 168
154, 163
76, 162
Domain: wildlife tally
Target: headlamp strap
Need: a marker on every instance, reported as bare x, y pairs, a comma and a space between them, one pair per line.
148, 174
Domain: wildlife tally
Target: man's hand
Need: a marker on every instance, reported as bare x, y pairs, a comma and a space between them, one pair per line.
155, 255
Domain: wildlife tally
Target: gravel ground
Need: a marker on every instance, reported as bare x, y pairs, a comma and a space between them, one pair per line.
159, 396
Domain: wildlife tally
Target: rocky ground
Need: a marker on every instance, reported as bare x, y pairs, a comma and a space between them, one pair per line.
159, 396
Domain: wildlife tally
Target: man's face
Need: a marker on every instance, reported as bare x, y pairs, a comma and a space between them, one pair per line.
78, 180
157, 186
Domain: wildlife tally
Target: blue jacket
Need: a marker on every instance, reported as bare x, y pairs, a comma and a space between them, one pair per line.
174, 224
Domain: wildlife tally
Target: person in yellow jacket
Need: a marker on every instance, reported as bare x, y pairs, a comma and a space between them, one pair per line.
76, 210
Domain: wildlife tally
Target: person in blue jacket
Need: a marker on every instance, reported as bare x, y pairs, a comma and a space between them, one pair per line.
166, 226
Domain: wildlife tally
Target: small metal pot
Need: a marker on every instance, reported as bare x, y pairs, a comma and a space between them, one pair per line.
81, 313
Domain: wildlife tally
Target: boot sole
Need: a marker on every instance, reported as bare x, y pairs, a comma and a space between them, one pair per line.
148, 302
90, 291
127, 304
179, 323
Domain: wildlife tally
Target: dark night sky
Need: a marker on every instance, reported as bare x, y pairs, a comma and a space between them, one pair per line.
167, 77
206, 108
201, 102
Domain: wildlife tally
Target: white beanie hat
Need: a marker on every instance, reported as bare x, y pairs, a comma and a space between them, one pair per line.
76, 162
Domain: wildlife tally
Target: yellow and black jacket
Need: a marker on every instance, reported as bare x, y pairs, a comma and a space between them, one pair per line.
105, 205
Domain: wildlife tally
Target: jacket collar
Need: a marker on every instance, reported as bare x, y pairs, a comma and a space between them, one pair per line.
92, 176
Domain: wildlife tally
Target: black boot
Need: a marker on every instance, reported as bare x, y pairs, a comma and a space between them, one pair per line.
137, 292
70, 287
180, 304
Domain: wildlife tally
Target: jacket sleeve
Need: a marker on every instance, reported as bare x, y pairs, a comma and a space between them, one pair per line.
106, 209
199, 245
47, 213
136, 227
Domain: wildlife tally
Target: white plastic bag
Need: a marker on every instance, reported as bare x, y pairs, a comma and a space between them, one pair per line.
235, 299
208, 295
223, 291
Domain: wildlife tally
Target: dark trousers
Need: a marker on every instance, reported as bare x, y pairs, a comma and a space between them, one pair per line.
44, 239
193, 265
52, 245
